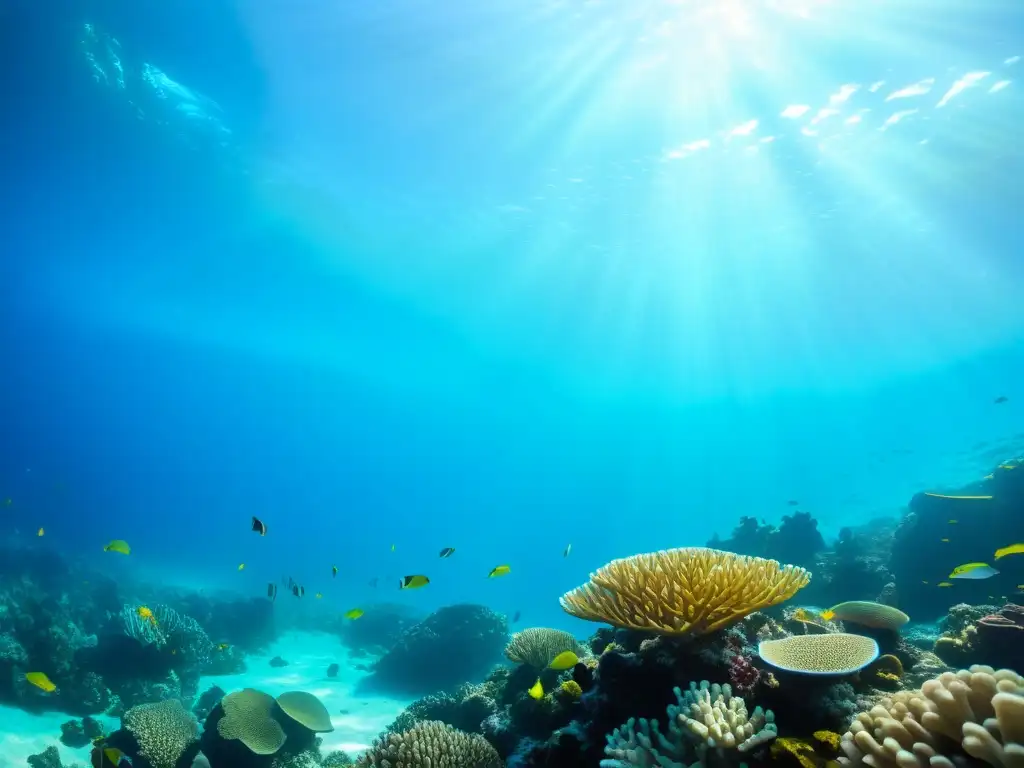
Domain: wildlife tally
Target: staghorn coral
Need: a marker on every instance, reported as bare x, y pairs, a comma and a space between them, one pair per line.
974, 713
164, 730
430, 744
681, 591
836, 653
708, 722
247, 717
538, 646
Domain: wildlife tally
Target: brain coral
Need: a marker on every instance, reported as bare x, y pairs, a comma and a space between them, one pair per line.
836, 653
247, 718
681, 591
974, 713
163, 730
430, 744
306, 709
538, 646
870, 614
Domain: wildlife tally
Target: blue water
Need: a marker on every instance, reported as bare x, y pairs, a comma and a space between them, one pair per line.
497, 276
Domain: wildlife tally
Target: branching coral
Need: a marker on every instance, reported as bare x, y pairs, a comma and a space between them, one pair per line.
682, 591
430, 744
974, 713
708, 723
538, 646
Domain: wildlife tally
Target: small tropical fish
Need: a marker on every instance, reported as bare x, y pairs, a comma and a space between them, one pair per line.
953, 522
568, 549
499, 570
564, 660
944, 584
118, 545
392, 547
1000, 400
41, 681
319, 595
988, 477
222, 646
272, 591
41, 532
146, 614
923, 581
298, 591
536, 690
958, 498
967, 567
354, 614
982, 572
828, 615
334, 571
944, 541
1013, 549
447, 552
114, 756
1020, 586
258, 526
413, 582
241, 566
515, 617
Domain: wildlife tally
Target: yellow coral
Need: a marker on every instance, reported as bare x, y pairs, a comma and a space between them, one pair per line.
790, 750
681, 591
830, 739
572, 689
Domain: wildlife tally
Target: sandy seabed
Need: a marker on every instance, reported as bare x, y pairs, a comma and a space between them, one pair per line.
357, 719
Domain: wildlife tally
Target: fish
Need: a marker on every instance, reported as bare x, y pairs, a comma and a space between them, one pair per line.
1013, 549
298, 591
953, 522
114, 756
447, 552
982, 572
944, 584
392, 547
793, 503
146, 614
332, 670
334, 571
944, 541
40, 681
498, 570
413, 582
1020, 586
564, 660
1000, 400
828, 615
241, 566
223, 646
568, 549
319, 595
41, 532
802, 614
118, 545
515, 617
536, 690
354, 614
958, 498
272, 591
258, 526
967, 567
923, 581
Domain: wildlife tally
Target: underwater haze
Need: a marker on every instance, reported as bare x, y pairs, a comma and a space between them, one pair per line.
498, 276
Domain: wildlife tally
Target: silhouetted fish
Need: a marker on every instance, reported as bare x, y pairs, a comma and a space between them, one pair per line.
1001, 399
258, 527
332, 671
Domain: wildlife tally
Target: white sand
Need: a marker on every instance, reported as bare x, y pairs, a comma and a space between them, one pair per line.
309, 655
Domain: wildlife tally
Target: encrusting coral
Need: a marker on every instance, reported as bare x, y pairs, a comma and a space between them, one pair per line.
708, 723
538, 646
682, 591
430, 744
164, 730
974, 713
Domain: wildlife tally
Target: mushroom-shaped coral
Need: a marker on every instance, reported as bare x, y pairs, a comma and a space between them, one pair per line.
164, 730
869, 614
430, 744
538, 646
247, 717
974, 713
681, 591
307, 710
836, 653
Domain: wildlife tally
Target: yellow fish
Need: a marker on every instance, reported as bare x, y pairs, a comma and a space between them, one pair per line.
944, 541
318, 595
802, 614
944, 584
988, 477
222, 646
41, 532
1020, 586
564, 660
536, 690
118, 545
392, 547
966, 568
1013, 549
354, 614
146, 615
334, 571
413, 582
241, 566
828, 615
953, 522
500, 570
41, 681
114, 755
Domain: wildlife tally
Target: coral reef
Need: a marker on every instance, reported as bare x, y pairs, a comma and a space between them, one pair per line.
538, 646
430, 744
